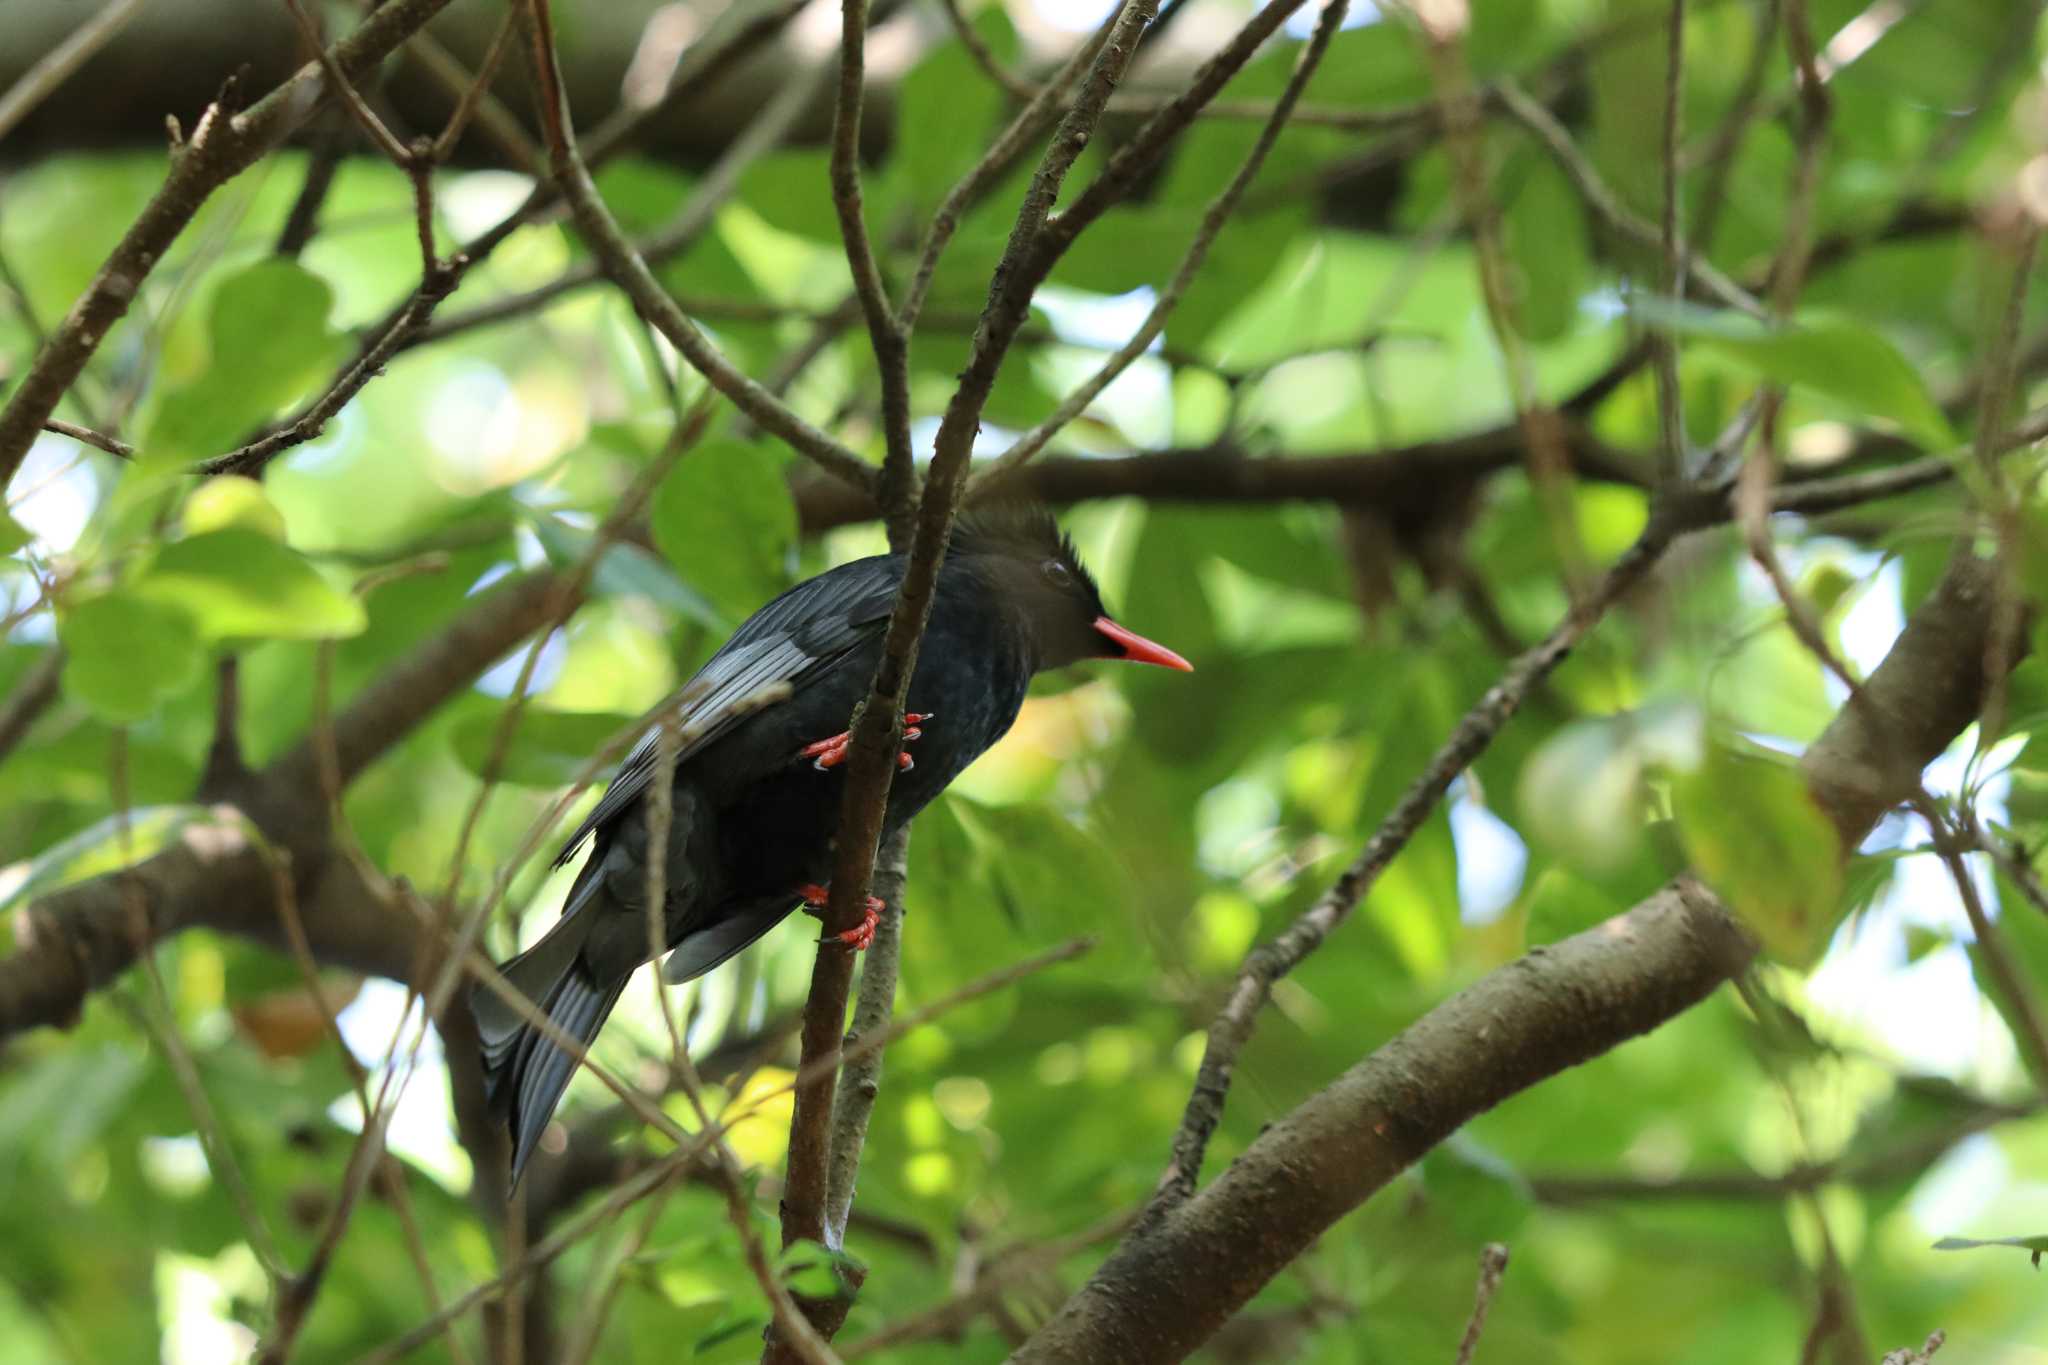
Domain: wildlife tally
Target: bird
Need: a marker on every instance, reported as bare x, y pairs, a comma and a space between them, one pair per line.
757, 787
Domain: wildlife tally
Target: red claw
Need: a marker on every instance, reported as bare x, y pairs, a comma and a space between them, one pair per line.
858, 938
830, 753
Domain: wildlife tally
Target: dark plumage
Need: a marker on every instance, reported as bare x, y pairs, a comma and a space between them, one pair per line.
754, 813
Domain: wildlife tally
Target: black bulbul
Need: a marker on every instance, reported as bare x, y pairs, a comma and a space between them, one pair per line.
757, 792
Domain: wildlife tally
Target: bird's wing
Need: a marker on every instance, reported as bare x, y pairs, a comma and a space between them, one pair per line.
806, 629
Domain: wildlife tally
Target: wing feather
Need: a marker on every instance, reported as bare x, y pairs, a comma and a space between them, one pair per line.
806, 629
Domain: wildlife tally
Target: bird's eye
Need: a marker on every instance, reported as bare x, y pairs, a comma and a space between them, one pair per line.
1056, 574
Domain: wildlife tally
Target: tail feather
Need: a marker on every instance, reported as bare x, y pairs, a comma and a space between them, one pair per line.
525, 1073
539, 1069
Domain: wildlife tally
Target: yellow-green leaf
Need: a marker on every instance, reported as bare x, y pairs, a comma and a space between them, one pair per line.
1752, 830
238, 582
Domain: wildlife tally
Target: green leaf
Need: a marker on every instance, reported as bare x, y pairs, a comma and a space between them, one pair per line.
548, 749
1545, 231
232, 501
1583, 790
241, 583
1752, 830
269, 343
1483, 1197
627, 571
13, 535
1832, 355
945, 108
725, 519
124, 654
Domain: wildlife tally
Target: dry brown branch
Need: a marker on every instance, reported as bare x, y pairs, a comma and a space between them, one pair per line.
222, 145
1493, 1263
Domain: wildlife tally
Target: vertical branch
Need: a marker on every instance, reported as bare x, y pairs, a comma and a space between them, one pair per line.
1493, 1263
855, 1100
890, 343
877, 733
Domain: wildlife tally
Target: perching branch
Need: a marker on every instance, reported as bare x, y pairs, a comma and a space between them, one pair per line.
877, 734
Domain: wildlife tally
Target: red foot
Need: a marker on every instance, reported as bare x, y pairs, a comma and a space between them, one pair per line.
859, 937
830, 753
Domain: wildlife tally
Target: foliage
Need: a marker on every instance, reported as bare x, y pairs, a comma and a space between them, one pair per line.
1178, 821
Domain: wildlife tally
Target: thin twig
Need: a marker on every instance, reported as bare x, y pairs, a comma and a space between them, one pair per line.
30, 698
1544, 447
474, 94
459, 951
2004, 501
1025, 128
490, 115
222, 145
366, 118
98, 440
1008, 81
2023, 1012
673, 1164
1719, 155
1213, 219
1699, 274
763, 134
629, 271
438, 283
994, 1275
161, 1019
1266, 964
301, 1287
1493, 1263
890, 342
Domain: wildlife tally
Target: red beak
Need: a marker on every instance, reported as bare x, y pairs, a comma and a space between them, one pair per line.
1140, 650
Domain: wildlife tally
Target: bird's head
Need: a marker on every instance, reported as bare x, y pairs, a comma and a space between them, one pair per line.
1039, 577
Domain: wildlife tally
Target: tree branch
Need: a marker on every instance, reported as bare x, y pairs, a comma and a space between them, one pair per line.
1169, 1286
629, 271
1190, 1265
222, 146
877, 733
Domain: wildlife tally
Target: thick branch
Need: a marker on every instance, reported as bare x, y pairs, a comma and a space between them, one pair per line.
1194, 1262
1164, 1291
212, 876
1918, 700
